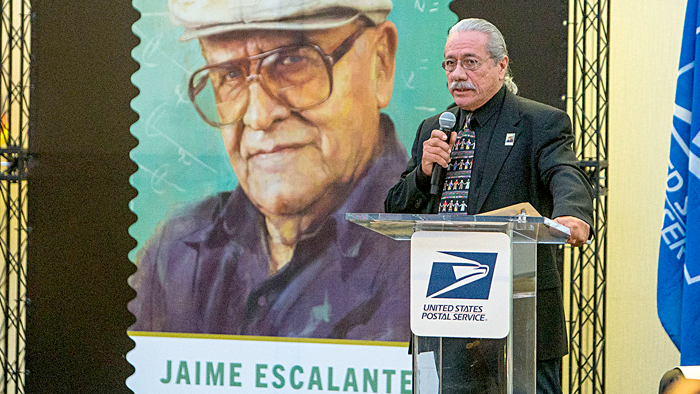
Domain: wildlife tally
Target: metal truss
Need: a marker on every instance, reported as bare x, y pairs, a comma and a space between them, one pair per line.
587, 274
14, 105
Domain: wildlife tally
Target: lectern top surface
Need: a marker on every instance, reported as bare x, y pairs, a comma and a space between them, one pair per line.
524, 228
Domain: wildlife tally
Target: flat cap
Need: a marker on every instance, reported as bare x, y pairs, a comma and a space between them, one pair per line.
208, 17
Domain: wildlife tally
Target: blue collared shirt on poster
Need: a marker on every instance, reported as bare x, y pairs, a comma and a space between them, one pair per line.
206, 269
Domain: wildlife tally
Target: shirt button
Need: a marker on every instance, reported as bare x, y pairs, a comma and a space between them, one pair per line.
262, 301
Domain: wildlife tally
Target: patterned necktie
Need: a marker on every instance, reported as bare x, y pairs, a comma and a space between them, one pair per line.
459, 172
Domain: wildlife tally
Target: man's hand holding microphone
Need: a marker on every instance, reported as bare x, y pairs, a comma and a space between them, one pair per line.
437, 149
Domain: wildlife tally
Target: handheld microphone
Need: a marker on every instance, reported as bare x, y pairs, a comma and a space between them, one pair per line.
447, 122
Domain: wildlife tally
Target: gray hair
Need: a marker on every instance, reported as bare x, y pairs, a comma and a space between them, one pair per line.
495, 44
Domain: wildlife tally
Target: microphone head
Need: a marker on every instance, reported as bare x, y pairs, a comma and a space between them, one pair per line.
447, 120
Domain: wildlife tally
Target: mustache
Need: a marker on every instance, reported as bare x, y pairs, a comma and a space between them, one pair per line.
462, 85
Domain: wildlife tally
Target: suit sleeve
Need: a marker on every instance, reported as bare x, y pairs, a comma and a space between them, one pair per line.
411, 193
560, 171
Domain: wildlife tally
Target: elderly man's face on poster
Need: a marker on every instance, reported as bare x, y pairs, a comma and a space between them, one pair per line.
299, 111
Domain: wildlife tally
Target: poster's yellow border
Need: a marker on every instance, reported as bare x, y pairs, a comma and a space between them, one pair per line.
264, 338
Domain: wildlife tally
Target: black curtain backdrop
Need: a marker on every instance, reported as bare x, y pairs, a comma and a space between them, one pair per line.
78, 182
536, 37
78, 197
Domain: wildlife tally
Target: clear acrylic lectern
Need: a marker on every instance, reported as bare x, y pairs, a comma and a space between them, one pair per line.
465, 363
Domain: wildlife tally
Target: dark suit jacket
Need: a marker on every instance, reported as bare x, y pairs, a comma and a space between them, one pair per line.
540, 168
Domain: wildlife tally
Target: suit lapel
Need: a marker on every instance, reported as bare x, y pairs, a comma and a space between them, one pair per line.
498, 151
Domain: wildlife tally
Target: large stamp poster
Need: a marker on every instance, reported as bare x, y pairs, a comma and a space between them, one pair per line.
261, 123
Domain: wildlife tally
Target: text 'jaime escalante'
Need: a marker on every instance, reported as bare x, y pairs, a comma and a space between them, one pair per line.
208, 373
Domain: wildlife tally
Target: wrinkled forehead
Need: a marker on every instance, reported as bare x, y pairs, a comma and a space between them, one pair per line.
469, 43
241, 44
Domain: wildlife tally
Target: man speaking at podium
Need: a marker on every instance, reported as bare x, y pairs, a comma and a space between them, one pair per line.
506, 150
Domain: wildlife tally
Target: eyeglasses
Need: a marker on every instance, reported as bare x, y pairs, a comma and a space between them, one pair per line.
468, 63
297, 76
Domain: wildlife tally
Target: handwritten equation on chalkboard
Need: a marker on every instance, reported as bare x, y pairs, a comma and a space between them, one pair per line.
163, 127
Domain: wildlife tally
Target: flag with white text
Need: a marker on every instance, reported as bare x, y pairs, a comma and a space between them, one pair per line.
678, 289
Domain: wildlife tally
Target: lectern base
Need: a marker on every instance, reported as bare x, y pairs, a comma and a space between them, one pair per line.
459, 366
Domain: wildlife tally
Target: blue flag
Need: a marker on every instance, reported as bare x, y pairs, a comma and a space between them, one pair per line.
678, 289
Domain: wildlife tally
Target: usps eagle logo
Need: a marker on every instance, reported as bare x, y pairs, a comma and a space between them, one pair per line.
468, 279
